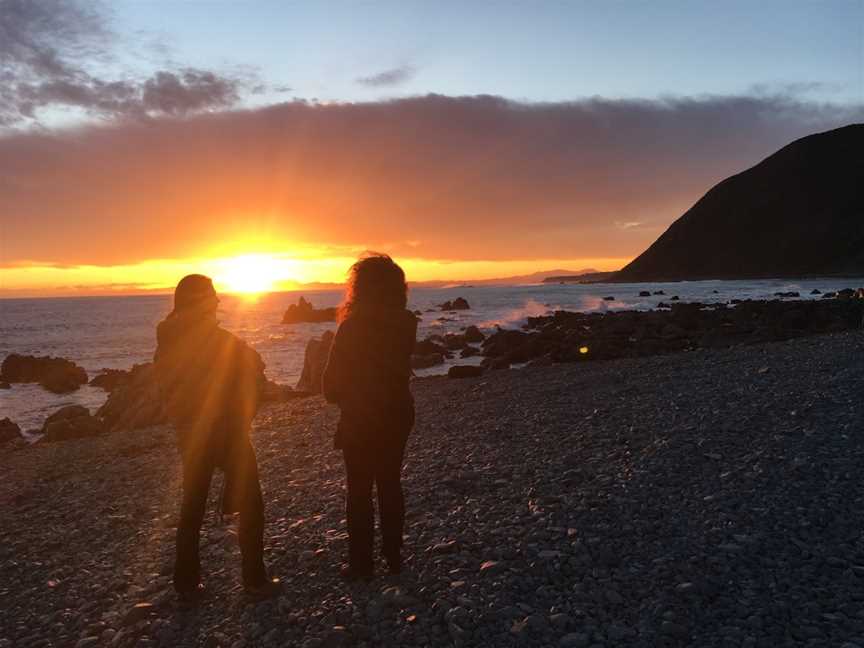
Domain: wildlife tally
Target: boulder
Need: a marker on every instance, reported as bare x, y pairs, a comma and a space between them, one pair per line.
815, 291
644, 293
426, 361
8, 430
460, 303
134, 402
303, 311
429, 346
789, 294
110, 379
57, 375
71, 422
473, 335
465, 371
314, 363
609, 298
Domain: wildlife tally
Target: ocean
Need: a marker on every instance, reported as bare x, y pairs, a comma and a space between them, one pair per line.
117, 332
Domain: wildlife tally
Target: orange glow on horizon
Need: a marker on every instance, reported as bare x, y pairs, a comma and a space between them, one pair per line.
258, 270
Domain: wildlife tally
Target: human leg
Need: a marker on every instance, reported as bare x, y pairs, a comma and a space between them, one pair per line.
359, 478
197, 473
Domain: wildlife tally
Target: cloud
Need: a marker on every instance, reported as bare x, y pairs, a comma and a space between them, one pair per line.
430, 177
393, 77
47, 48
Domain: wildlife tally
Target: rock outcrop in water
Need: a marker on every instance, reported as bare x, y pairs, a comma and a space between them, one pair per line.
57, 375
71, 422
460, 303
134, 401
575, 337
797, 213
304, 311
314, 363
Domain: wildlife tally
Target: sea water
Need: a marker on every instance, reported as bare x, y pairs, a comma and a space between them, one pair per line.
117, 332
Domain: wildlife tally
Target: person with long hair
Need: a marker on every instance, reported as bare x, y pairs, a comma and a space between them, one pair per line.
367, 376
210, 382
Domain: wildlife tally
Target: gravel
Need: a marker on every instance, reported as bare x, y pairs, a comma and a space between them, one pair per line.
709, 498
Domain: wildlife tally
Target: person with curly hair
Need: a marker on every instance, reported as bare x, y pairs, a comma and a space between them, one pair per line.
367, 376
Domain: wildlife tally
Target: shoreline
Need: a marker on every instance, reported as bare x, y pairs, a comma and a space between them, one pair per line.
694, 498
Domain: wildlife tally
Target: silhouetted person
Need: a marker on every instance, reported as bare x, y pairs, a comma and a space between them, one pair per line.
367, 376
210, 381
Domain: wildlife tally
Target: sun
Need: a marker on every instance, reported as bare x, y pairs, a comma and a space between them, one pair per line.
251, 274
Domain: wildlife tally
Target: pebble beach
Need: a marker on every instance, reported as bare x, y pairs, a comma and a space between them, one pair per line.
703, 498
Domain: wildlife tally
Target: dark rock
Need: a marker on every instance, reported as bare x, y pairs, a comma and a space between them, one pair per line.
473, 334
429, 346
426, 361
674, 298
9, 430
609, 298
659, 292
796, 213
303, 311
110, 379
460, 303
71, 422
465, 371
644, 293
57, 375
135, 402
789, 294
469, 352
314, 363
815, 291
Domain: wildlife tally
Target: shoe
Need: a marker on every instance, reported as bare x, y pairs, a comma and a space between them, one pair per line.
350, 573
266, 590
192, 596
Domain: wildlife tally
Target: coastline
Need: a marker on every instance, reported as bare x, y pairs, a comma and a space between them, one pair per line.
690, 498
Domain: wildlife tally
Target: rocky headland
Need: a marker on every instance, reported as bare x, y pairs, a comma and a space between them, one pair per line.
701, 498
795, 214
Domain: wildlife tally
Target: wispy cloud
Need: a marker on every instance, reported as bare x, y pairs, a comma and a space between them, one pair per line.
47, 48
392, 77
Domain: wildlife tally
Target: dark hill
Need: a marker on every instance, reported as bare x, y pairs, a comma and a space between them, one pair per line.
799, 212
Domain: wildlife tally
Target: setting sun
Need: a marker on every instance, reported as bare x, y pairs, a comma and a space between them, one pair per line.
253, 273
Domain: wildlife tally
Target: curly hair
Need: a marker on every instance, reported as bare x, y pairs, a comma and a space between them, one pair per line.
375, 282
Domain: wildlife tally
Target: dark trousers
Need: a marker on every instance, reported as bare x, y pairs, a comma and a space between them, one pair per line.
365, 466
243, 494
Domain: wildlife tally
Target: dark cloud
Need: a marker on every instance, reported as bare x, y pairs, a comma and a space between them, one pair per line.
393, 77
434, 177
47, 48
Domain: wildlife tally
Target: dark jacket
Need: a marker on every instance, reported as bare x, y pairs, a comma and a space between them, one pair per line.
209, 381
367, 375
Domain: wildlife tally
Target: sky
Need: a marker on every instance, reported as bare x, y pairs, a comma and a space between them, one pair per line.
269, 143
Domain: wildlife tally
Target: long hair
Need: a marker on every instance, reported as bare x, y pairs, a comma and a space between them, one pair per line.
375, 282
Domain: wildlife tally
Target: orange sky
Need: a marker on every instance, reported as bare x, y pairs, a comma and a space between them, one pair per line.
452, 187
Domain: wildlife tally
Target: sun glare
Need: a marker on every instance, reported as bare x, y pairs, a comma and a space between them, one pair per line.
251, 274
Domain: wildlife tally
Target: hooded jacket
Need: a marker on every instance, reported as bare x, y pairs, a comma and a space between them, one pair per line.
367, 375
209, 380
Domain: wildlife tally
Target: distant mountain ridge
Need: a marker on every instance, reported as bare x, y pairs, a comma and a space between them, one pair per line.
798, 213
